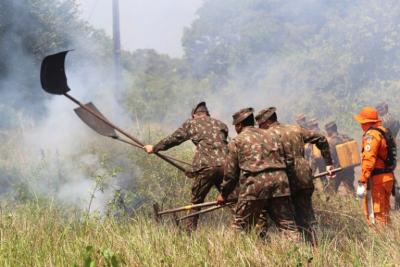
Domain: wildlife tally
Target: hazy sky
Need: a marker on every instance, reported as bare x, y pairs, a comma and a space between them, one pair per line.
156, 24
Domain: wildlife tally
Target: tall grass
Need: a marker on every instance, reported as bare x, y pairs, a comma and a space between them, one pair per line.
43, 234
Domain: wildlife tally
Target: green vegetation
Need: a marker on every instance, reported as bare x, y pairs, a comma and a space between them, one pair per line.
92, 206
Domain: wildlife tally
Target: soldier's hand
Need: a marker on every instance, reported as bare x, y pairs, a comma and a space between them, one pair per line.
329, 170
189, 174
220, 200
149, 149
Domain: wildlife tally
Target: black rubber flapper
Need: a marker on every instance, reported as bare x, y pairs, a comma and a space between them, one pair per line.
52, 74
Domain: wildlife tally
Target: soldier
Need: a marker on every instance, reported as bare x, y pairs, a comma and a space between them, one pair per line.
301, 120
313, 125
346, 176
209, 135
390, 122
294, 139
255, 163
314, 156
377, 166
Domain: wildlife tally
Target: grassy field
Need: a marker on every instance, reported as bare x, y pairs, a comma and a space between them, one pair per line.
34, 234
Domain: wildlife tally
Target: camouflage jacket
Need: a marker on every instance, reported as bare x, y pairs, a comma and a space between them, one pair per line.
207, 134
334, 140
256, 163
390, 122
293, 139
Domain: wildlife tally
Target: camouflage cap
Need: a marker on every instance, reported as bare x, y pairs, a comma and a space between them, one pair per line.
330, 126
265, 114
200, 107
242, 115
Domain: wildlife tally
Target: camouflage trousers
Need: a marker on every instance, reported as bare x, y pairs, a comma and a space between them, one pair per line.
280, 210
304, 214
204, 180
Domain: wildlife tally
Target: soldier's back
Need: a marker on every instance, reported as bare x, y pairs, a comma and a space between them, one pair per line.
258, 150
209, 135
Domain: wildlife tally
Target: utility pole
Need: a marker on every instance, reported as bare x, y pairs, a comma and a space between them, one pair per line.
117, 47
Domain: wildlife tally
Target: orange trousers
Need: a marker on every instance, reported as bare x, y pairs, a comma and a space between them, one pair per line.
381, 202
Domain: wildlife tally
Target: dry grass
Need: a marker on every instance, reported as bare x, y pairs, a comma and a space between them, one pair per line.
45, 235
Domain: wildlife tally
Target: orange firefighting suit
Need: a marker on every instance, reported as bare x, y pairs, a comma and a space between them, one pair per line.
374, 153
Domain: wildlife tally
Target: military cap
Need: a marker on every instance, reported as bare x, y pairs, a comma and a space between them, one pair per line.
313, 122
241, 115
200, 107
300, 117
265, 114
382, 106
331, 126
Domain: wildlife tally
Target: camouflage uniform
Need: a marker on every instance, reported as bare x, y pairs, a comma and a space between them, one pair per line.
346, 176
293, 139
300, 176
255, 162
210, 138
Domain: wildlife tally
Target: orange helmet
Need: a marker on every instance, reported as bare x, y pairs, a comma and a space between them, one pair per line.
368, 115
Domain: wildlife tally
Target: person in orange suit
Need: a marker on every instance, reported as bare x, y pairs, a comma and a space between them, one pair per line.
375, 174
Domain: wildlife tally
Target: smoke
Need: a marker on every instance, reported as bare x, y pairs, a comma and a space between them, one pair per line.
49, 150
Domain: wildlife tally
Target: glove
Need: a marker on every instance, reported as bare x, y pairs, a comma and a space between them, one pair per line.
361, 190
329, 170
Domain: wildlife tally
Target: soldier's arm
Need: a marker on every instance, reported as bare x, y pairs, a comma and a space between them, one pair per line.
179, 136
369, 155
320, 141
231, 171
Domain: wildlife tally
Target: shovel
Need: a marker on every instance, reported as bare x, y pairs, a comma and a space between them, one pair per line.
105, 129
204, 211
54, 81
158, 213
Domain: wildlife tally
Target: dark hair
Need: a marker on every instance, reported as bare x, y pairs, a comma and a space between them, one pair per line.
249, 121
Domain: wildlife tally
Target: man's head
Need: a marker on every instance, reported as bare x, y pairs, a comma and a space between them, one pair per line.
382, 108
243, 118
301, 120
200, 110
266, 117
331, 128
368, 117
313, 124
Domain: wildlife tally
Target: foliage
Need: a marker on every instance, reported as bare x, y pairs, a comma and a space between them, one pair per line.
38, 235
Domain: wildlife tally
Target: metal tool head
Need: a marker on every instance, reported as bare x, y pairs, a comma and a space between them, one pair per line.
94, 123
52, 74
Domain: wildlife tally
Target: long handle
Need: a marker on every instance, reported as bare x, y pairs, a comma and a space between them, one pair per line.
122, 131
138, 146
204, 211
322, 174
193, 206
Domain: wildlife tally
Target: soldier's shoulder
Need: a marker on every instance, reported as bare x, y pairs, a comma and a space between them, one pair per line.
218, 122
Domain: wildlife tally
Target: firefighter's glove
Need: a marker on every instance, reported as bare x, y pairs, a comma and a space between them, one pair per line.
361, 190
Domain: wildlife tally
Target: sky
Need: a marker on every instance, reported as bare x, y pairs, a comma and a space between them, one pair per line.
156, 24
